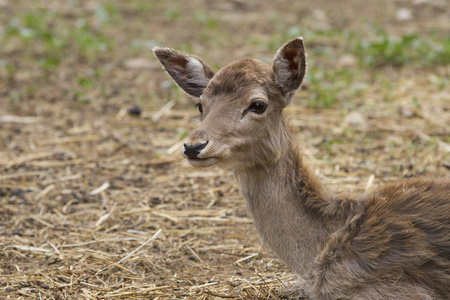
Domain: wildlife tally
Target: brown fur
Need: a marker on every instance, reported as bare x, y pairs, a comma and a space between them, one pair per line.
393, 243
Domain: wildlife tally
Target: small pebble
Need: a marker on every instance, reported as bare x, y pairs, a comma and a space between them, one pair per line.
135, 110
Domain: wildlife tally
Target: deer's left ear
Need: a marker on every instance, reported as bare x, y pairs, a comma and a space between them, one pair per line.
188, 71
289, 68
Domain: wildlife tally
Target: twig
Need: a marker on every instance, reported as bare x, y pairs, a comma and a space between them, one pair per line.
175, 147
162, 111
18, 119
160, 214
42, 221
194, 253
104, 217
100, 189
31, 248
131, 253
23, 159
62, 178
247, 257
203, 285
139, 248
44, 192
9, 176
369, 182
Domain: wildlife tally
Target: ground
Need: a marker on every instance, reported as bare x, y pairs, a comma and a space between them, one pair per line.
96, 201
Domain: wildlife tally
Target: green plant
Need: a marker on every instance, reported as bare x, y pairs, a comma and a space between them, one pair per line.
34, 29
173, 14
329, 87
205, 19
408, 49
328, 145
106, 13
89, 42
15, 97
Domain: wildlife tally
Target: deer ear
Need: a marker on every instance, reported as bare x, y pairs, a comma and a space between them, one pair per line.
289, 68
188, 71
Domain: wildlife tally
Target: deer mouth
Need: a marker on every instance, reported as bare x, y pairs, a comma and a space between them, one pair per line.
203, 162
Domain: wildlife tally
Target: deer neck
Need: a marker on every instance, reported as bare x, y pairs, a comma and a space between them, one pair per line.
283, 198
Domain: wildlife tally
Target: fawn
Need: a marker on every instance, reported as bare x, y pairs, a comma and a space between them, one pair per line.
393, 243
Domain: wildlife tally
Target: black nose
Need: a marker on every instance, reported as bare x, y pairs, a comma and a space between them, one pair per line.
194, 151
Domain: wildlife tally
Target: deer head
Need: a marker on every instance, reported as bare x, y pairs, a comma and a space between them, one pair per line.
240, 106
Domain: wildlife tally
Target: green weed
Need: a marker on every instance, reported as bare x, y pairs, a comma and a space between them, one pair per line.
205, 19
328, 145
89, 42
328, 88
408, 49
7, 70
47, 45
173, 14
441, 81
182, 134
15, 97
85, 82
106, 13
34, 31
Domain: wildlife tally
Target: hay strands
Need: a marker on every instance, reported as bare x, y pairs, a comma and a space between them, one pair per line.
100, 189
20, 119
130, 254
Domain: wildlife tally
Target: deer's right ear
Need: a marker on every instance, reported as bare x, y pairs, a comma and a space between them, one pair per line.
188, 71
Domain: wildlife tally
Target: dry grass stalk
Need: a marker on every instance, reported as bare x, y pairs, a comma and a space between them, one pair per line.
131, 253
100, 189
20, 119
71, 139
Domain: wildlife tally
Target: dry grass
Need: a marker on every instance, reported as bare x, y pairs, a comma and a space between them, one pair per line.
97, 203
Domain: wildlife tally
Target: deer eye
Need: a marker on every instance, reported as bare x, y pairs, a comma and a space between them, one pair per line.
199, 107
258, 107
